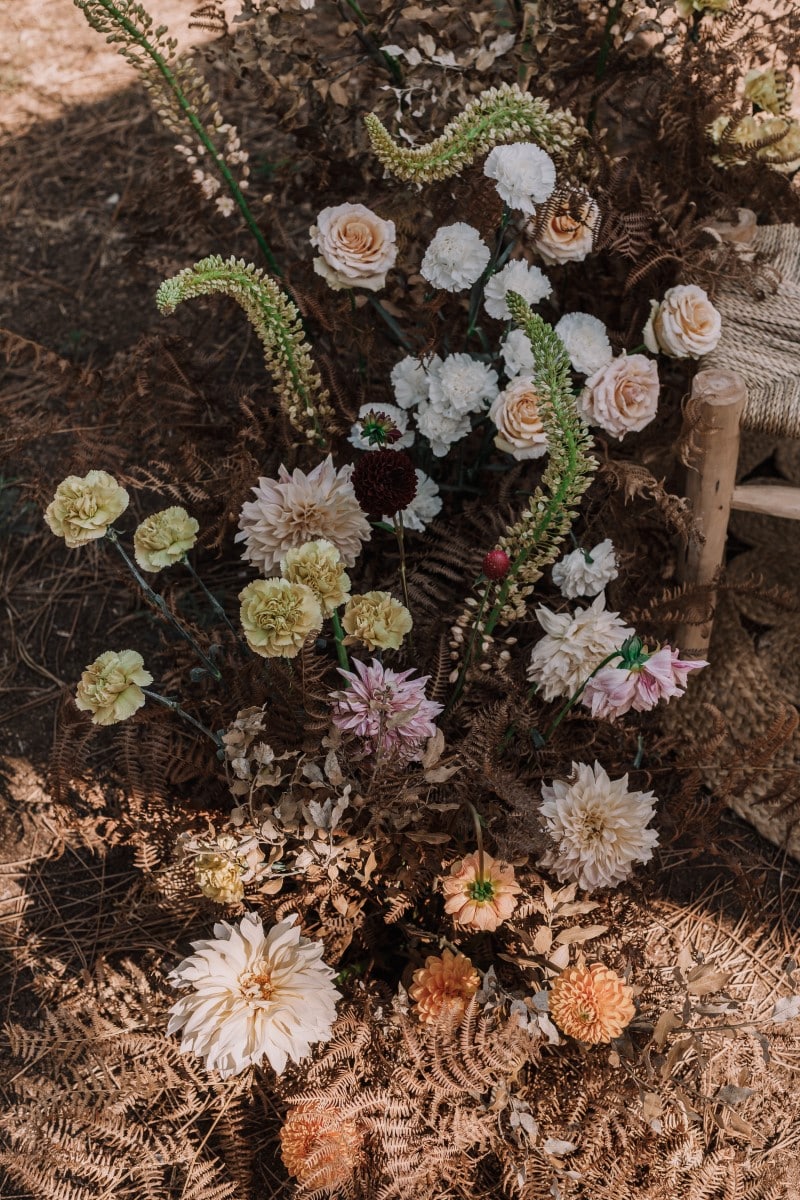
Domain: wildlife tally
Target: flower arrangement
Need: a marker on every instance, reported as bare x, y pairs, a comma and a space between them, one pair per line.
394, 751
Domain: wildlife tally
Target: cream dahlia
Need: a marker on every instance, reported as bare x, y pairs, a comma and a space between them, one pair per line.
575, 644
254, 995
298, 508
599, 828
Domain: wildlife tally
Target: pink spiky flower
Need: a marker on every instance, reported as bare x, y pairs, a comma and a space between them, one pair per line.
640, 682
386, 708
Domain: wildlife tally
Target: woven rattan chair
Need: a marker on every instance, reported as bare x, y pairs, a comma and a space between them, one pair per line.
750, 382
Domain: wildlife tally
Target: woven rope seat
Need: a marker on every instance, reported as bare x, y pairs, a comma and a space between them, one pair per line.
761, 338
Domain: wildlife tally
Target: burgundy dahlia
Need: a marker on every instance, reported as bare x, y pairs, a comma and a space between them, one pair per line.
384, 481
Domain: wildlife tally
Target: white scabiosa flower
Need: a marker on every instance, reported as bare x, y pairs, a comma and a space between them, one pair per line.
586, 341
530, 282
524, 175
462, 385
456, 258
517, 353
254, 995
396, 415
586, 572
411, 379
598, 827
574, 645
426, 504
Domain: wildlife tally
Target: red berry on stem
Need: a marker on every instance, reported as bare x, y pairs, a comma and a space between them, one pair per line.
496, 564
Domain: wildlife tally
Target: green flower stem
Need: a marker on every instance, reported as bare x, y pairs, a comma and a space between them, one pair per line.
160, 603
338, 633
575, 697
477, 294
476, 821
175, 707
212, 599
401, 545
372, 47
462, 675
164, 70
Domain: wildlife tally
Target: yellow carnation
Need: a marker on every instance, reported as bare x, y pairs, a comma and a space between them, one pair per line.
768, 89
83, 508
318, 565
277, 616
164, 538
111, 687
376, 619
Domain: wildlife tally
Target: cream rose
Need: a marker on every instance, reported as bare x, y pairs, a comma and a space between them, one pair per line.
568, 233
111, 687
623, 396
515, 412
684, 325
84, 508
164, 538
357, 247
277, 616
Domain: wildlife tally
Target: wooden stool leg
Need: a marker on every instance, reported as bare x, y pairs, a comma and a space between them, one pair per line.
709, 487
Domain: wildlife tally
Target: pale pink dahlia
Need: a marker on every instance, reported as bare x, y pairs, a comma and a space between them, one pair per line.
298, 508
614, 691
386, 708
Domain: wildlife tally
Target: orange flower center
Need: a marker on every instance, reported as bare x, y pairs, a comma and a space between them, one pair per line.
257, 984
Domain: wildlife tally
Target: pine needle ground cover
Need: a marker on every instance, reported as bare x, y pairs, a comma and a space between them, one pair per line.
350, 849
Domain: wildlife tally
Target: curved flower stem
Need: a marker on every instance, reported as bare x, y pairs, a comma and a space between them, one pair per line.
575, 697
161, 604
173, 706
212, 599
462, 675
162, 66
338, 633
476, 821
398, 532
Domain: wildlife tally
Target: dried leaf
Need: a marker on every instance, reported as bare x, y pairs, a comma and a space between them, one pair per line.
576, 934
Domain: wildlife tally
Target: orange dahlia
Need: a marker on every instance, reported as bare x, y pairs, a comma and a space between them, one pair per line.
480, 898
591, 1004
319, 1147
443, 985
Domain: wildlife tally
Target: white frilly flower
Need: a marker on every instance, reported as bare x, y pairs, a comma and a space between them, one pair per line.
254, 995
586, 572
396, 415
599, 828
411, 379
573, 646
426, 505
517, 353
586, 341
524, 175
441, 426
462, 384
456, 258
530, 282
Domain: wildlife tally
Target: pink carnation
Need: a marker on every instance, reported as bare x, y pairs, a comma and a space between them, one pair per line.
614, 691
386, 708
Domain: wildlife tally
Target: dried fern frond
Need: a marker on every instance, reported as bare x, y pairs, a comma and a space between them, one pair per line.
277, 324
497, 116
